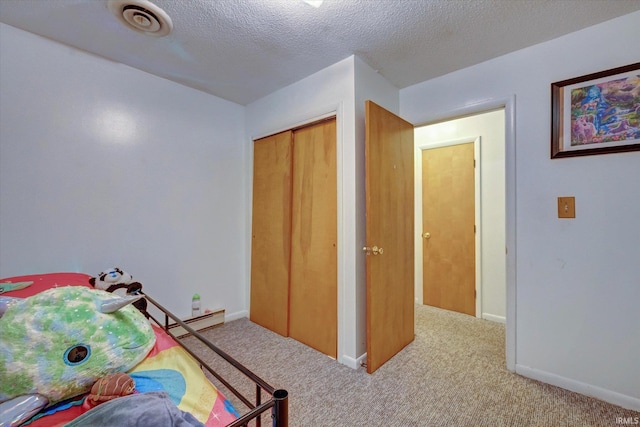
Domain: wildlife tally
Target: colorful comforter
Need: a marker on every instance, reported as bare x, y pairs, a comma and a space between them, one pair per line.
168, 368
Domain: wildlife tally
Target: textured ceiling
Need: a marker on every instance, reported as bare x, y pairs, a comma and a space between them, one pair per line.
242, 50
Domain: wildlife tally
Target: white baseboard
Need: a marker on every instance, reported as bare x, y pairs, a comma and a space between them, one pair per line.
353, 363
237, 315
627, 402
494, 318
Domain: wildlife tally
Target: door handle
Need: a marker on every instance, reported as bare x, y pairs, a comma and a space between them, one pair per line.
426, 235
375, 250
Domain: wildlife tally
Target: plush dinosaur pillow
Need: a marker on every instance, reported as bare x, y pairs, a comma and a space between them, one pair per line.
58, 343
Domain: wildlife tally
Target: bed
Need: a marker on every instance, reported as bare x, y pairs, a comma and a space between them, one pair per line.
171, 376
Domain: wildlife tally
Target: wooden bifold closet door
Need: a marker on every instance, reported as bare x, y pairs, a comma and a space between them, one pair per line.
271, 232
294, 282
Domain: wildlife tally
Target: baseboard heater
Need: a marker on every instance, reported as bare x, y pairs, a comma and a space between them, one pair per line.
198, 323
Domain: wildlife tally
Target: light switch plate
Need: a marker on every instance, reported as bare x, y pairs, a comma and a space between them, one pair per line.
566, 207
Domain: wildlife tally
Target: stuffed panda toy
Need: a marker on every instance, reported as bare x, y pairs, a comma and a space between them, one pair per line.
117, 281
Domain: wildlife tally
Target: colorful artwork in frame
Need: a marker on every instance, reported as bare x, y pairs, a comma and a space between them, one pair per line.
596, 114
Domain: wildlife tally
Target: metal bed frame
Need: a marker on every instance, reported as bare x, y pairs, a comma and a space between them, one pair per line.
278, 400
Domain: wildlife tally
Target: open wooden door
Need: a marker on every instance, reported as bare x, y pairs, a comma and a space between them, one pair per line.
390, 241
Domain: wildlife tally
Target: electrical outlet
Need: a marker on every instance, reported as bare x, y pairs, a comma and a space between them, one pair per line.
566, 207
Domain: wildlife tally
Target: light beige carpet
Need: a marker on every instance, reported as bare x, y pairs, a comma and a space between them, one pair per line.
453, 374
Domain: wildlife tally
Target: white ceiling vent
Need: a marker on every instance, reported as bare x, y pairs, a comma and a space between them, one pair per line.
142, 16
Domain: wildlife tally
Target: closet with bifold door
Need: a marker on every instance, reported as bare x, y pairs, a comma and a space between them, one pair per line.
294, 235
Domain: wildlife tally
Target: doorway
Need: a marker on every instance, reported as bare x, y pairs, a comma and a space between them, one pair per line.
485, 183
487, 131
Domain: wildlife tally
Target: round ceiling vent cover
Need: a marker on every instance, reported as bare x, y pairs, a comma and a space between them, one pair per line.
142, 16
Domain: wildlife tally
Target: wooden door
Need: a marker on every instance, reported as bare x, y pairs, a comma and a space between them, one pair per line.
313, 308
271, 232
448, 203
389, 226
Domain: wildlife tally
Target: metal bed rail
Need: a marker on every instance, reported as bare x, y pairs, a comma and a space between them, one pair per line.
278, 401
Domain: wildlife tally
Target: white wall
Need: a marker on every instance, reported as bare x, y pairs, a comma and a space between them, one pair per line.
577, 281
488, 130
103, 165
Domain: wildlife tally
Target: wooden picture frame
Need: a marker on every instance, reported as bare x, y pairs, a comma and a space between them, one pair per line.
597, 113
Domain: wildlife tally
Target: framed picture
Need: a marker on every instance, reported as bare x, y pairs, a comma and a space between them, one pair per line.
596, 114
